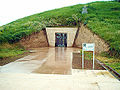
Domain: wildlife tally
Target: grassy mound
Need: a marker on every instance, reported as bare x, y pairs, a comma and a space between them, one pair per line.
103, 18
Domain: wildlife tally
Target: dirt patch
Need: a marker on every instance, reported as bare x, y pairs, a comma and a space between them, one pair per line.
77, 63
35, 40
86, 35
11, 59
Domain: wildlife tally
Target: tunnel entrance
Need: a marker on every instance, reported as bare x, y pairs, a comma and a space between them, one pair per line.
60, 39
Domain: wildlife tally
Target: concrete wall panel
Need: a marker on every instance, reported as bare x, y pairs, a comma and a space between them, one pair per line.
71, 32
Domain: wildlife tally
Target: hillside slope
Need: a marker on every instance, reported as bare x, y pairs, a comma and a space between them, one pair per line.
103, 18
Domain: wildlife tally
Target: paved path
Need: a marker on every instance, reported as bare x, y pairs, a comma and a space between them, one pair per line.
24, 74
79, 80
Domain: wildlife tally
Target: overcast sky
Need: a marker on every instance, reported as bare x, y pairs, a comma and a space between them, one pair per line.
11, 10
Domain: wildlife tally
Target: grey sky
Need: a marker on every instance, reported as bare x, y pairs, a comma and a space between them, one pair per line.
11, 10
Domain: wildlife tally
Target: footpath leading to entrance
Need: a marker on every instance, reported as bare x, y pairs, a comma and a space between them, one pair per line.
47, 70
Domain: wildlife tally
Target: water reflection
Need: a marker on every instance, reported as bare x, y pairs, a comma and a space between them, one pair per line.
44, 61
59, 62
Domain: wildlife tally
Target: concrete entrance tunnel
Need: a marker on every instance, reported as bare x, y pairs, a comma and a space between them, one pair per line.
61, 37
73, 37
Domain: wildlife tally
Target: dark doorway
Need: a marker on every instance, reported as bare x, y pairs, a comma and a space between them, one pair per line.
60, 39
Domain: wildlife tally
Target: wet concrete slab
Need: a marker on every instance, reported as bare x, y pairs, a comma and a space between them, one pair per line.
44, 61
42, 69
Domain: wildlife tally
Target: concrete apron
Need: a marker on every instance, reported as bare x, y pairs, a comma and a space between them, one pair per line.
41, 71
44, 61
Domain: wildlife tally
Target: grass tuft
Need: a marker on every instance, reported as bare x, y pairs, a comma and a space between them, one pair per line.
10, 50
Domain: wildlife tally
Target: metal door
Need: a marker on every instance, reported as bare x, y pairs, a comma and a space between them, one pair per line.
60, 39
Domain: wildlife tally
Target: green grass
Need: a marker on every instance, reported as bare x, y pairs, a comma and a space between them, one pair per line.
103, 18
87, 55
7, 50
112, 62
106, 23
115, 66
4, 53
